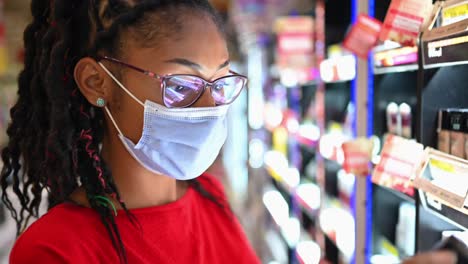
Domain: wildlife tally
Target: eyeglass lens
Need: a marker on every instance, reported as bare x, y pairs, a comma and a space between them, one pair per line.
184, 90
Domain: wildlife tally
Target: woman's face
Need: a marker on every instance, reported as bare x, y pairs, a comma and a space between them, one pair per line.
197, 49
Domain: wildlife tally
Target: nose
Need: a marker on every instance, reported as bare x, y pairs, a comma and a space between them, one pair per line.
206, 99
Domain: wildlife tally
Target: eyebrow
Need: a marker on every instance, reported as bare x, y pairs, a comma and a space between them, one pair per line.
192, 64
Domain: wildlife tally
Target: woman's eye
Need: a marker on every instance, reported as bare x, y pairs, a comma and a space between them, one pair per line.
219, 86
180, 88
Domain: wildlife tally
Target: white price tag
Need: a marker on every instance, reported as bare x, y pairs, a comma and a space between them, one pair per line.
404, 20
400, 160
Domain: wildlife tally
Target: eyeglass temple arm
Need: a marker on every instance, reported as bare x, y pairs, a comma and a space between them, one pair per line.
236, 73
151, 74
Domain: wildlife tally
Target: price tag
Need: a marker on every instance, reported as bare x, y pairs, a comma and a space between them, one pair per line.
445, 178
446, 44
295, 49
400, 160
363, 36
452, 13
404, 20
357, 156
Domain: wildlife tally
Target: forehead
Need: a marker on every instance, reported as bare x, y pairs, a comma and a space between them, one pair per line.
197, 39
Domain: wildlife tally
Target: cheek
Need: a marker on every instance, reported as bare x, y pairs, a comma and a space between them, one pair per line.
144, 88
129, 114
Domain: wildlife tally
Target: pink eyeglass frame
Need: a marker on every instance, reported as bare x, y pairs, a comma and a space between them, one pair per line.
163, 78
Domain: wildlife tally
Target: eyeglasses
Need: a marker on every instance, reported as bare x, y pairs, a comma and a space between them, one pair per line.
183, 90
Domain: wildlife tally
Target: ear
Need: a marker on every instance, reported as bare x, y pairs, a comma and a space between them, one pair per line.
92, 80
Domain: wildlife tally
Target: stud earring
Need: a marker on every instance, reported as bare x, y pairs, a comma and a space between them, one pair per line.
101, 102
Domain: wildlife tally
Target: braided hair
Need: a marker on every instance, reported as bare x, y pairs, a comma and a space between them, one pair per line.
55, 133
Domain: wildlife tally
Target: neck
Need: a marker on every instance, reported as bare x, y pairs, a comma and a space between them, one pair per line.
138, 187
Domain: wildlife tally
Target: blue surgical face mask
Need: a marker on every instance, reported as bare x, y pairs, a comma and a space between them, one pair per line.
178, 142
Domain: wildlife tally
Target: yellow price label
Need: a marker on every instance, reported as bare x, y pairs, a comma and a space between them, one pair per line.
456, 11
442, 165
389, 247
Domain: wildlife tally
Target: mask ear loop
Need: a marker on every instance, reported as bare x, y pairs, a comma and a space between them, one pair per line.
113, 120
120, 84
125, 89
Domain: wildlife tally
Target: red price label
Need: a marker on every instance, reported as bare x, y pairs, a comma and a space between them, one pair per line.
404, 19
357, 155
400, 160
363, 36
295, 43
295, 50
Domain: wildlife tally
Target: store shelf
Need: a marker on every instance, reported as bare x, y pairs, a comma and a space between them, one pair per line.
443, 186
308, 252
385, 251
289, 228
445, 213
391, 57
338, 224
446, 46
332, 202
338, 81
338, 69
433, 94
308, 196
400, 195
278, 209
395, 69
309, 148
392, 214
277, 246
278, 168
280, 182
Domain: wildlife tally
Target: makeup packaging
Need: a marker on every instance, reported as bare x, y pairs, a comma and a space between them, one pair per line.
346, 183
457, 134
405, 229
443, 131
393, 119
406, 119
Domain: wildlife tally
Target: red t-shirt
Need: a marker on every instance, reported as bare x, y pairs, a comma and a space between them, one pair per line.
189, 230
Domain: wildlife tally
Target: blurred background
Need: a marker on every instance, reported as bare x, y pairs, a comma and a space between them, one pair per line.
284, 166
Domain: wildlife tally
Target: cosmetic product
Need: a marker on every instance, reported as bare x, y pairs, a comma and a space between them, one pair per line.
443, 131
405, 229
457, 135
393, 119
406, 119
466, 132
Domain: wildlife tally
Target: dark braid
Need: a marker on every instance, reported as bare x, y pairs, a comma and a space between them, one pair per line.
55, 132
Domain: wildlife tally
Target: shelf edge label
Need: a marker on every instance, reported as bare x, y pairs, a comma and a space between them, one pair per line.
445, 178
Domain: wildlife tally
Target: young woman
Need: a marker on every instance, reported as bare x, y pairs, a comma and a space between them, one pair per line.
121, 107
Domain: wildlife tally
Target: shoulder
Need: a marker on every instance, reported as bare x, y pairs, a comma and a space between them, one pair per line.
54, 237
